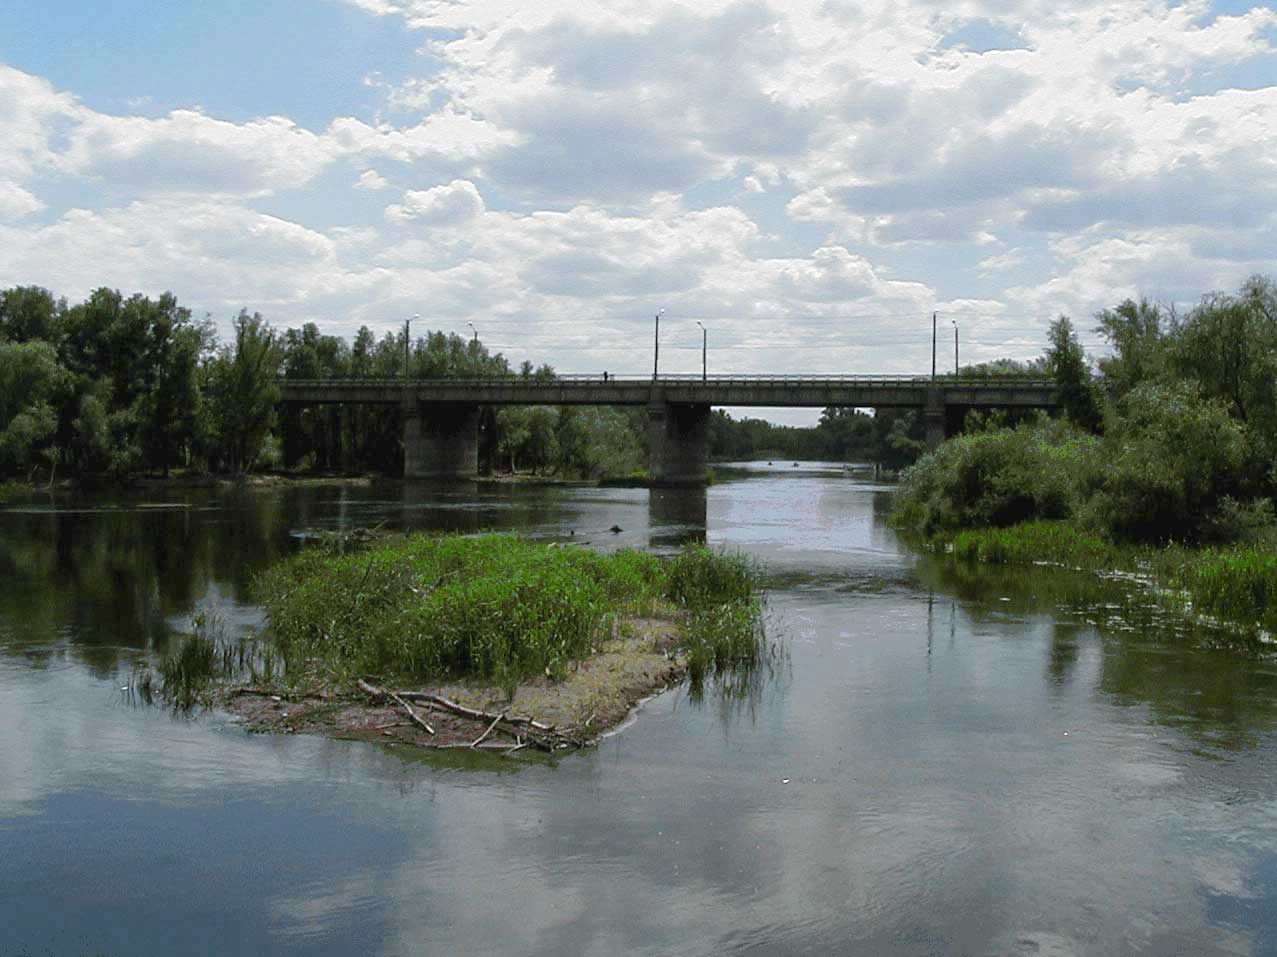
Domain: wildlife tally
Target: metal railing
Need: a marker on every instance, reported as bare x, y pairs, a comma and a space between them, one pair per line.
682, 380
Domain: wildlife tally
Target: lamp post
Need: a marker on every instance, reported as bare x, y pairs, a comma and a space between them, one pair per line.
474, 330
656, 346
704, 341
955, 347
933, 346
407, 332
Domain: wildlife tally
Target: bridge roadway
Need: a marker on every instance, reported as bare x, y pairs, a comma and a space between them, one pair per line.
441, 415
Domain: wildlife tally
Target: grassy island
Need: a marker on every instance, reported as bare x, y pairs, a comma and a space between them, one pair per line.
549, 643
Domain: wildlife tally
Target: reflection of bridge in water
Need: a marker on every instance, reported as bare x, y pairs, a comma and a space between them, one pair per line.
441, 416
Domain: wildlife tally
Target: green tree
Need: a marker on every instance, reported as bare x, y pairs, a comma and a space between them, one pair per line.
1066, 362
32, 383
242, 390
29, 313
1172, 459
1135, 331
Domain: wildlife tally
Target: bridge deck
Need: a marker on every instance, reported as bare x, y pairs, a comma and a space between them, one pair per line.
800, 391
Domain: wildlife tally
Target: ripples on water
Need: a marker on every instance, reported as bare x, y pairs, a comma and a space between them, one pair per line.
950, 760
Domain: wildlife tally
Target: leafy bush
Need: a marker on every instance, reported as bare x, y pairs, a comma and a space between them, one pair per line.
1171, 458
996, 478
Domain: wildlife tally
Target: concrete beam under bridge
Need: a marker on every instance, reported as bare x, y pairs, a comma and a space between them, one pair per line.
441, 440
678, 443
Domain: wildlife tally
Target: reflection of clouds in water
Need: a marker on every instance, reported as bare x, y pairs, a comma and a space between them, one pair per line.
933, 803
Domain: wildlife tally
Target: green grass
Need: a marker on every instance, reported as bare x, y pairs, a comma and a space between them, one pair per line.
1057, 542
1234, 584
494, 607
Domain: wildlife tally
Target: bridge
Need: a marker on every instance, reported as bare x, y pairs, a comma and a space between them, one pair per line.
441, 416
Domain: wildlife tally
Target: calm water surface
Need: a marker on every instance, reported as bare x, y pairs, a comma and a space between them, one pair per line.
946, 762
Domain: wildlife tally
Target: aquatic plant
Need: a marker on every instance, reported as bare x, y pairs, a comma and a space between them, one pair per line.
188, 669
494, 607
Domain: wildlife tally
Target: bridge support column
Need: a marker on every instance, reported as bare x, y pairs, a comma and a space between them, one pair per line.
678, 443
933, 414
441, 440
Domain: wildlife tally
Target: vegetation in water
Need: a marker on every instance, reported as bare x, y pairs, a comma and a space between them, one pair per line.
198, 660
497, 608
1235, 584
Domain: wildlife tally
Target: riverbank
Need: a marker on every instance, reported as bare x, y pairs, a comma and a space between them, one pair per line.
1234, 584
600, 693
549, 644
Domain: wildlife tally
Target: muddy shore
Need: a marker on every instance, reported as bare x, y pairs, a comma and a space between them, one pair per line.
599, 693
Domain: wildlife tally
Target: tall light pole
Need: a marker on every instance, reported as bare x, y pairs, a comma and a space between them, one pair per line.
406, 340
476, 331
704, 342
955, 347
656, 346
933, 345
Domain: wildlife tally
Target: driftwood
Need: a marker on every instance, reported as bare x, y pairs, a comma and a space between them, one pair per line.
379, 693
525, 730
479, 740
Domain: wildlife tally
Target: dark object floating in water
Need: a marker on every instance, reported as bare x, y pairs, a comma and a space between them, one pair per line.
795, 465
769, 463
616, 529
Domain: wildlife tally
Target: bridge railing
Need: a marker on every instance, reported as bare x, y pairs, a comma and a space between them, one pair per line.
682, 380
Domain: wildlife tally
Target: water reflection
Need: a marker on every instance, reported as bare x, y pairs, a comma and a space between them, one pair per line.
953, 759
677, 516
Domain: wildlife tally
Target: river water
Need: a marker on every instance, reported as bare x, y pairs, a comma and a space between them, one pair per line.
942, 761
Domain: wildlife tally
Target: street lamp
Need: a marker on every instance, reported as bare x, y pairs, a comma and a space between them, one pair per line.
955, 347
476, 331
656, 347
406, 340
933, 347
704, 341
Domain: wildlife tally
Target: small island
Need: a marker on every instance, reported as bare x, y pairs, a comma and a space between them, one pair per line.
479, 642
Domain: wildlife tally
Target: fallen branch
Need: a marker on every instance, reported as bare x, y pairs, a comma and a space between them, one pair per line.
380, 693
546, 738
416, 718
479, 740
449, 705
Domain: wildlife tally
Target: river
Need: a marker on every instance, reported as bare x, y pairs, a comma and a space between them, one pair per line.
941, 762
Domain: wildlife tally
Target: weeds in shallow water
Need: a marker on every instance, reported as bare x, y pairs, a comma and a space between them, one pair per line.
188, 669
699, 576
723, 638
495, 607
1034, 542
1237, 584
198, 660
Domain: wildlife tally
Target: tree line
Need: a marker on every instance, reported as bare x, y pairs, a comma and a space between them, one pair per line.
1172, 436
115, 385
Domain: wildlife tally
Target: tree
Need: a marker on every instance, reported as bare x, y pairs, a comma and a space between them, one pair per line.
1066, 362
1134, 330
28, 313
32, 383
1228, 346
243, 392
1171, 459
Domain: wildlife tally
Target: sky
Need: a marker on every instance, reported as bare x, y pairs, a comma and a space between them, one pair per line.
809, 179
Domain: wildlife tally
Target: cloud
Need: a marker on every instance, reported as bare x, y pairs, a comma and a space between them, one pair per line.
370, 179
567, 167
456, 202
16, 202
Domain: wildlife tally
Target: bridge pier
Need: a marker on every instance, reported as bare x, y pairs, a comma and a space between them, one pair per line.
935, 427
678, 443
440, 440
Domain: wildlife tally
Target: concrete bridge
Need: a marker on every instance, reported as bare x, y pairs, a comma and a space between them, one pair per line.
441, 415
